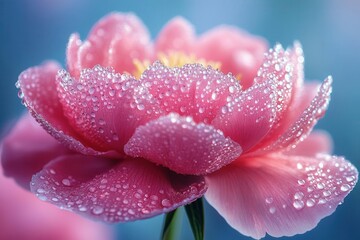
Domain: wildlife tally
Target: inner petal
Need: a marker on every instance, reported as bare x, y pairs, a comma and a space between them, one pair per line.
191, 90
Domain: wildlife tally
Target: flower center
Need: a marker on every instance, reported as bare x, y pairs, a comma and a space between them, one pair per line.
173, 59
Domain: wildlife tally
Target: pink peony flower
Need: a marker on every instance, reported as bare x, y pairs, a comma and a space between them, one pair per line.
24, 217
140, 137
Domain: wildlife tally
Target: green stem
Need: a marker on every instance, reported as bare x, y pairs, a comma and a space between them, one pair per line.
195, 213
169, 228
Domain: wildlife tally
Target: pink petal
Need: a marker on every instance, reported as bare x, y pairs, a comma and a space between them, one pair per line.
301, 128
191, 90
317, 142
27, 149
177, 36
72, 56
279, 68
284, 68
294, 111
182, 145
238, 52
248, 117
116, 40
38, 92
105, 107
24, 217
114, 191
280, 195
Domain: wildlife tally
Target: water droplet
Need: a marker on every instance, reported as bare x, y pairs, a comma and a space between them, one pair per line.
320, 186
112, 92
272, 210
310, 202
326, 193
91, 90
350, 178
166, 202
299, 166
213, 96
40, 190
79, 86
298, 195
231, 89
301, 182
66, 182
82, 209
298, 204
131, 211
224, 109
97, 210
140, 107
102, 121
345, 187
269, 200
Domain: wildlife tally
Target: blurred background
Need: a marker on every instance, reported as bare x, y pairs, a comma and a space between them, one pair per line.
32, 31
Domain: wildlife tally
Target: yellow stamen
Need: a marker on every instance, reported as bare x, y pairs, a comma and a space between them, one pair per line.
173, 59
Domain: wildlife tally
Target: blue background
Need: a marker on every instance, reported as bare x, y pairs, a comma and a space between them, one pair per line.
32, 31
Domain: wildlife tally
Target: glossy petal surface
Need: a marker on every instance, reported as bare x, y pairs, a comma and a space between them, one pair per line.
105, 107
114, 191
182, 145
280, 195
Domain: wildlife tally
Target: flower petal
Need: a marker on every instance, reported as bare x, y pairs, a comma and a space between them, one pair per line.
301, 128
24, 217
182, 145
27, 149
105, 107
317, 142
191, 90
278, 194
114, 191
114, 41
238, 52
177, 36
249, 116
38, 92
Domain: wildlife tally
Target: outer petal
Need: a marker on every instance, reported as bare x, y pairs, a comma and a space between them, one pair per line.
317, 142
285, 68
114, 191
301, 128
238, 52
191, 90
116, 40
24, 217
280, 195
105, 107
177, 36
38, 92
248, 117
182, 145
27, 149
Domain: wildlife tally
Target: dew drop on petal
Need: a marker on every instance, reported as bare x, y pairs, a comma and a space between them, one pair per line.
66, 182
345, 187
272, 210
97, 210
166, 202
298, 204
310, 202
